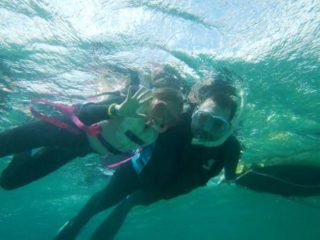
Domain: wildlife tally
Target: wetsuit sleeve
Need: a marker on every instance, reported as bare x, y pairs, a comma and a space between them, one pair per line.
231, 159
91, 113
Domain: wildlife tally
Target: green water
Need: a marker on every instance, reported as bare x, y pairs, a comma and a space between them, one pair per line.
70, 50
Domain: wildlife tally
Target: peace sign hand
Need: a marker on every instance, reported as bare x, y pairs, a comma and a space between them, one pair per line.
133, 101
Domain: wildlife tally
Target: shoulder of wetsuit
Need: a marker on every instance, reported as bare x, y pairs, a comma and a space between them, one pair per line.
178, 135
184, 122
232, 143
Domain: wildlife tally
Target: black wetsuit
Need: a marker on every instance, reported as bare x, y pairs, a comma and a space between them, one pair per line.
57, 145
288, 180
175, 168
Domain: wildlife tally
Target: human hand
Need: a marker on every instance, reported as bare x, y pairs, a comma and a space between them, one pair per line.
223, 180
133, 101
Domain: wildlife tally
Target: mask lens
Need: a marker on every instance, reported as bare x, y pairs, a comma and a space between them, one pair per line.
208, 126
218, 124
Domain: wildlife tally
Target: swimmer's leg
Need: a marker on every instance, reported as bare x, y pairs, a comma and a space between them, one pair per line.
26, 168
36, 134
284, 180
112, 224
123, 182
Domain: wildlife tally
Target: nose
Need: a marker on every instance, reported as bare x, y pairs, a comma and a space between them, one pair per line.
199, 132
204, 122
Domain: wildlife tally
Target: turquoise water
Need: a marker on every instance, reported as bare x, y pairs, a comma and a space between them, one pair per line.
71, 50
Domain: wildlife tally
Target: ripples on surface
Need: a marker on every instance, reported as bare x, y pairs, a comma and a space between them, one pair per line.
54, 48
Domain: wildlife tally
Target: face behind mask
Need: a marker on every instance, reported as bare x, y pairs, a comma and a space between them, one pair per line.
210, 124
206, 125
209, 129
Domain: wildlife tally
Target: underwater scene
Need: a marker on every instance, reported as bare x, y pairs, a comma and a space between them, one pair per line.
76, 51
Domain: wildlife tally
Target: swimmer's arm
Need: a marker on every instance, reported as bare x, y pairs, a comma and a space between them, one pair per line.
114, 107
93, 112
231, 161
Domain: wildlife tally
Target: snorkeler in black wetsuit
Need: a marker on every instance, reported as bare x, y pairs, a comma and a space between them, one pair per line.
26, 167
183, 158
284, 179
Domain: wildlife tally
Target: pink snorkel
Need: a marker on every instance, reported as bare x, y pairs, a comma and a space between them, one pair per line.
118, 164
93, 130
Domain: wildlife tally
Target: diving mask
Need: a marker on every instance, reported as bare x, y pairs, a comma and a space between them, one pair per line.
208, 126
211, 129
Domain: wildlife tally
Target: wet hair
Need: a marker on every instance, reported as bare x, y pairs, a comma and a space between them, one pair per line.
167, 76
221, 91
170, 104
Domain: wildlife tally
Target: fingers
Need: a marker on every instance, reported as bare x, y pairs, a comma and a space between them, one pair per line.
146, 99
142, 95
138, 92
130, 92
